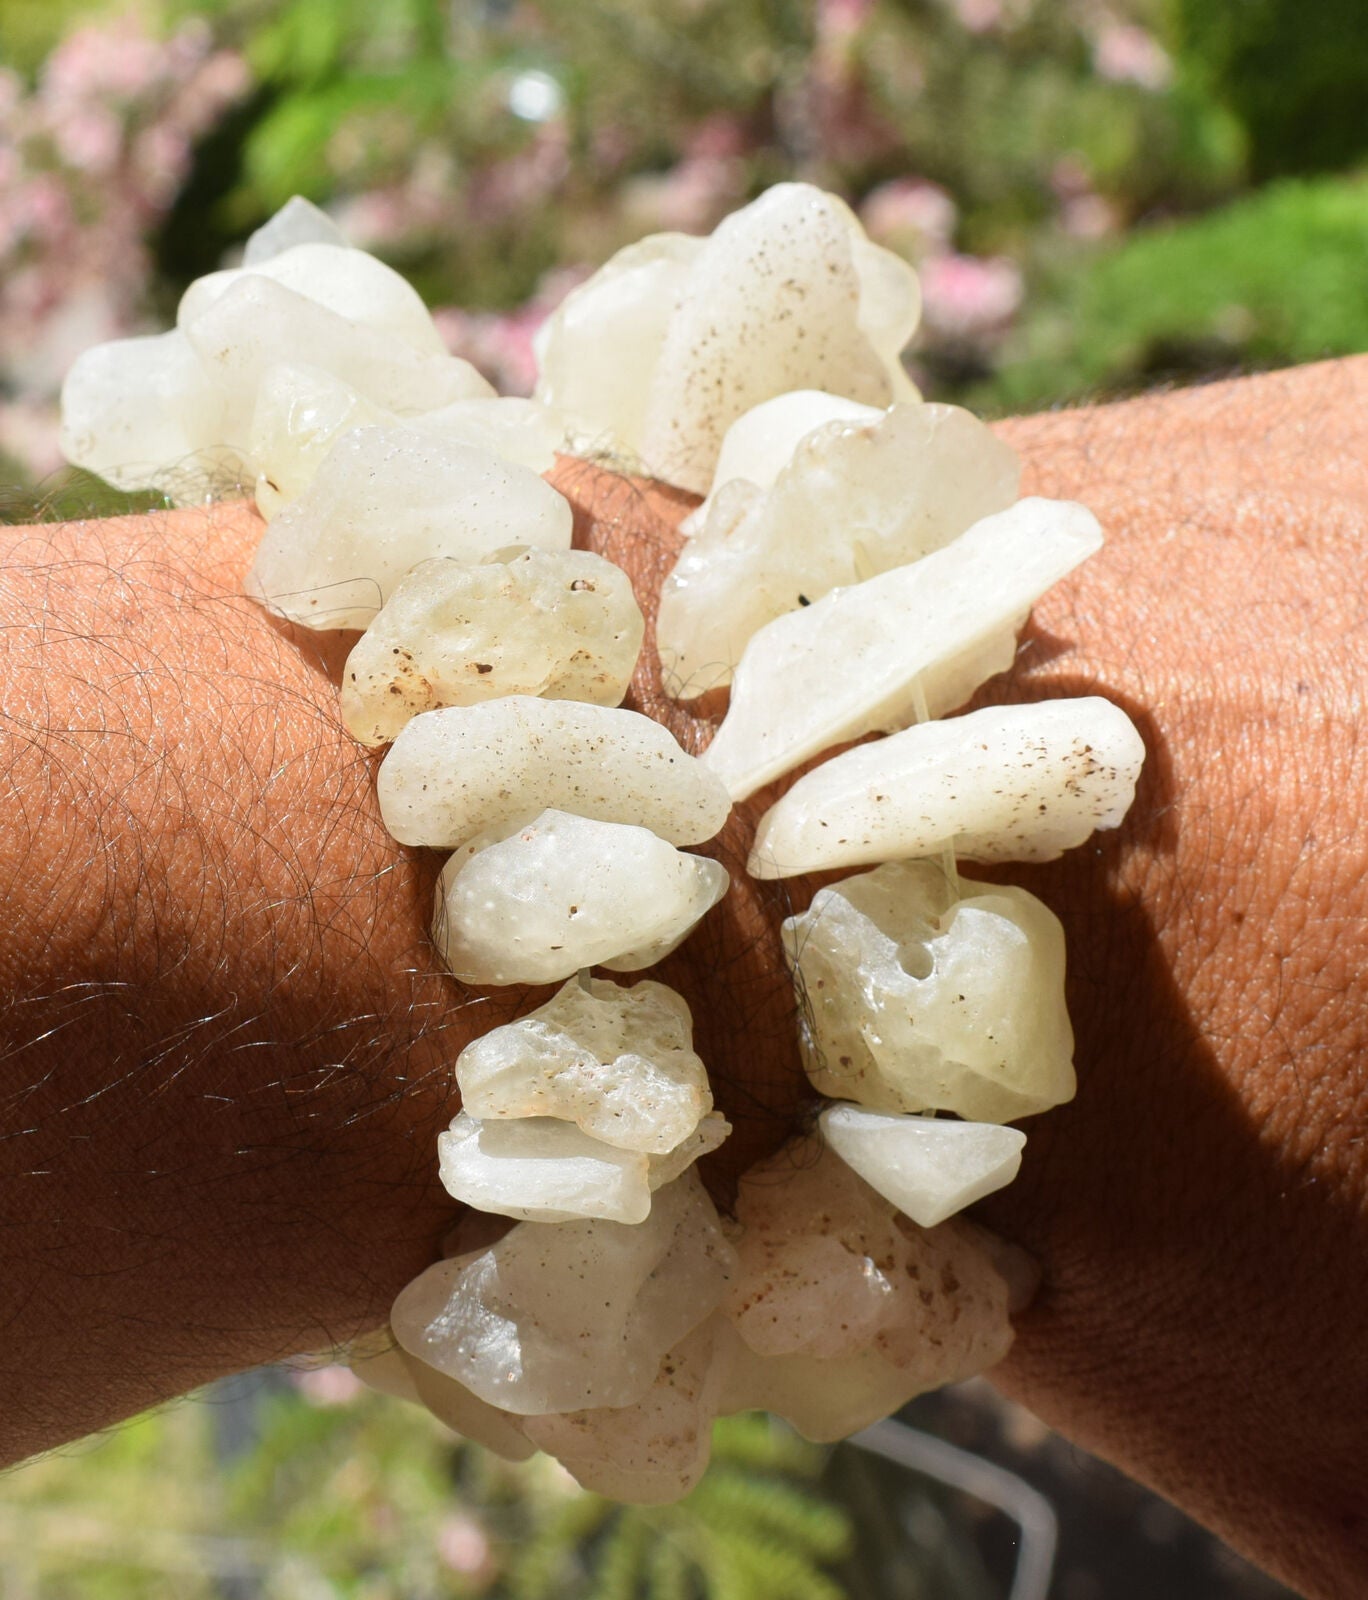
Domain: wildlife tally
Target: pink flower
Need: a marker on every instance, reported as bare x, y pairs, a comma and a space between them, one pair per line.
1126, 53
328, 1386
979, 16
463, 1546
970, 297
910, 215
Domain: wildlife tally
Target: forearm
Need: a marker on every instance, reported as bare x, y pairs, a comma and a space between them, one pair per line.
248, 969
223, 1031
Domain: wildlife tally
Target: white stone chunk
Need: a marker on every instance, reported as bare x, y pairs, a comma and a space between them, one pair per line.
597, 351
257, 324
614, 1059
540, 1169
144, 414
384, 500
575, 1315
917, 999
655, 1450
560, 624
567, 892
350, 283
928, 1167
860, 659
781, 264
464, 771
857, 498
1008, 783
298, 221
825, 1400
674, 338
507, 426
827, 1271
301, 412
761, 442
465, 1413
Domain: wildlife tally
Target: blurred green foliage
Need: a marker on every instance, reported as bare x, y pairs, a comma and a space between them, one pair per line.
1295, 75
1278, 277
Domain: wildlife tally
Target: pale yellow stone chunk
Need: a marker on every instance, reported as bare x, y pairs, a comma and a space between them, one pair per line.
760, 443
559, 624
674, 338
144, 413
872, 656
615, 1059
301, 412
1008, 783
465, 771
257, 324
566, 892
540, 1169
655, 1450
928, 1167
299, 221
575, 1315
856, 498
831, 1280
384, 500
350, 283
917, 999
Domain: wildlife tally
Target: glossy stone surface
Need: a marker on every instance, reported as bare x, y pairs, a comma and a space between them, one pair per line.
1008, 783
485, 769
920, 996
559, 624
910, 643
566, 892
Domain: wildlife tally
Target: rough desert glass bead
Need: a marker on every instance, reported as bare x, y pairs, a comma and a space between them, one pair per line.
559, 624
920, 996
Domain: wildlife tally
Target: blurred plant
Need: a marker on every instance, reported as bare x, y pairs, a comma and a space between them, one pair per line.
92, 157
1295, 75
1275, 278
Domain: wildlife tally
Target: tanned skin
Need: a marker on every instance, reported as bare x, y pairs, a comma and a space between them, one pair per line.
228, 1046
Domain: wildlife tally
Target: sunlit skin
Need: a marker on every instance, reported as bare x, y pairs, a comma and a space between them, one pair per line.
229, 1045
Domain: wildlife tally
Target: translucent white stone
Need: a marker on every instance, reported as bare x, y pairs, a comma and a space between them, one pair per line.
567, 892
257, 324
144, 414
653, 1451
928, 1167
675, 338
917, 1000
301, 412
1009, 783
574, 1315
857, 498
861, 659
828, 1271
783, 263
616, 1060
384, 500
761, 442
298, 221
348, 282
508, 426
464, 1413
561, 624
470, 770
540, 1169
825, 1400
380, 1365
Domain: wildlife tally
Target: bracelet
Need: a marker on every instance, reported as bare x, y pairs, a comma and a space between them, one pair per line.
860, 563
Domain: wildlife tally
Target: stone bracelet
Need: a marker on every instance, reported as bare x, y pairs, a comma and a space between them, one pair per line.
860, 564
